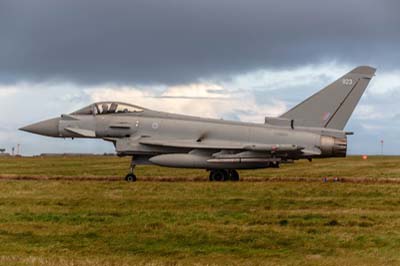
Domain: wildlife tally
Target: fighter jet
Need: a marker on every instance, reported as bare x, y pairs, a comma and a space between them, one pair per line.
311, 129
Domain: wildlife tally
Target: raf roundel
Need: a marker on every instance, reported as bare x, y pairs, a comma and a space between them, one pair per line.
326, 116
154, 125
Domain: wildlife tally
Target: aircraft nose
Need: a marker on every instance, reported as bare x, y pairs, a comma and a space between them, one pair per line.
47, 128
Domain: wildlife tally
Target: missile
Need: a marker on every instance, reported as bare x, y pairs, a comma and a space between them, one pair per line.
244, 160
273, 147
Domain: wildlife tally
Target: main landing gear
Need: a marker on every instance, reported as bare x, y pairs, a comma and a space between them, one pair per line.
224, 175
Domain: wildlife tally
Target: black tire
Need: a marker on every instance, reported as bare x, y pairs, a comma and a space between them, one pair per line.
274, 165
130, 178
219, 175
234, 175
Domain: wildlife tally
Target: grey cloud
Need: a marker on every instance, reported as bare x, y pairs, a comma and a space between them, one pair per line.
177, 41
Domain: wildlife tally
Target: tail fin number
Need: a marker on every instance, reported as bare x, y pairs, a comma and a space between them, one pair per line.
347, 82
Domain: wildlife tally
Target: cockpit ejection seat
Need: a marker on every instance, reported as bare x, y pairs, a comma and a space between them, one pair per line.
104, 106
113, 107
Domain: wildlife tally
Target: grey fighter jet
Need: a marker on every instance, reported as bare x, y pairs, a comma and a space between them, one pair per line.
312, 129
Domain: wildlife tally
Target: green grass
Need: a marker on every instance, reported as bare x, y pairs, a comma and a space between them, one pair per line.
66, 222
101, 166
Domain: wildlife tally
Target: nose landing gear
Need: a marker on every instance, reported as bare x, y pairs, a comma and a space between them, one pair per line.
131, 177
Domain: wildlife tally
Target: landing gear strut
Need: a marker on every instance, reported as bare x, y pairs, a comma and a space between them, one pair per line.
223, 175
131, 177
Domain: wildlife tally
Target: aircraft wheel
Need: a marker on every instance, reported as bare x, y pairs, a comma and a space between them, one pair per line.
130, 178
274, 165
219, 175
234, 175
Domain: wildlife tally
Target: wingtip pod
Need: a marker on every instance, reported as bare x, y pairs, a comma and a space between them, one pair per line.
364, 70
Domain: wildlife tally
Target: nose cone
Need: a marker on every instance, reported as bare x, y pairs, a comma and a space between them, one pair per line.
47, 128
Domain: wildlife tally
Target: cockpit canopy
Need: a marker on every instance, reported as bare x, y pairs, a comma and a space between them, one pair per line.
103, 108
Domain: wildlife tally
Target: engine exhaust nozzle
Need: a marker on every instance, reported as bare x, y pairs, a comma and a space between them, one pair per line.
333, 147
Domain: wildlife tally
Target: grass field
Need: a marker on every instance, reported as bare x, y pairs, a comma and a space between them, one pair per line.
66, 222
376, 167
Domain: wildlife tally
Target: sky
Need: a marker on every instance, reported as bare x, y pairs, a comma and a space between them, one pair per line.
230, 59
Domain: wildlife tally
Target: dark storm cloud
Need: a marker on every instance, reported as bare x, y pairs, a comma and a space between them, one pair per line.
171, 41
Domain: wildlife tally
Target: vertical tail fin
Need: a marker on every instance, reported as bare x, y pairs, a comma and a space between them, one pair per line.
332, 106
